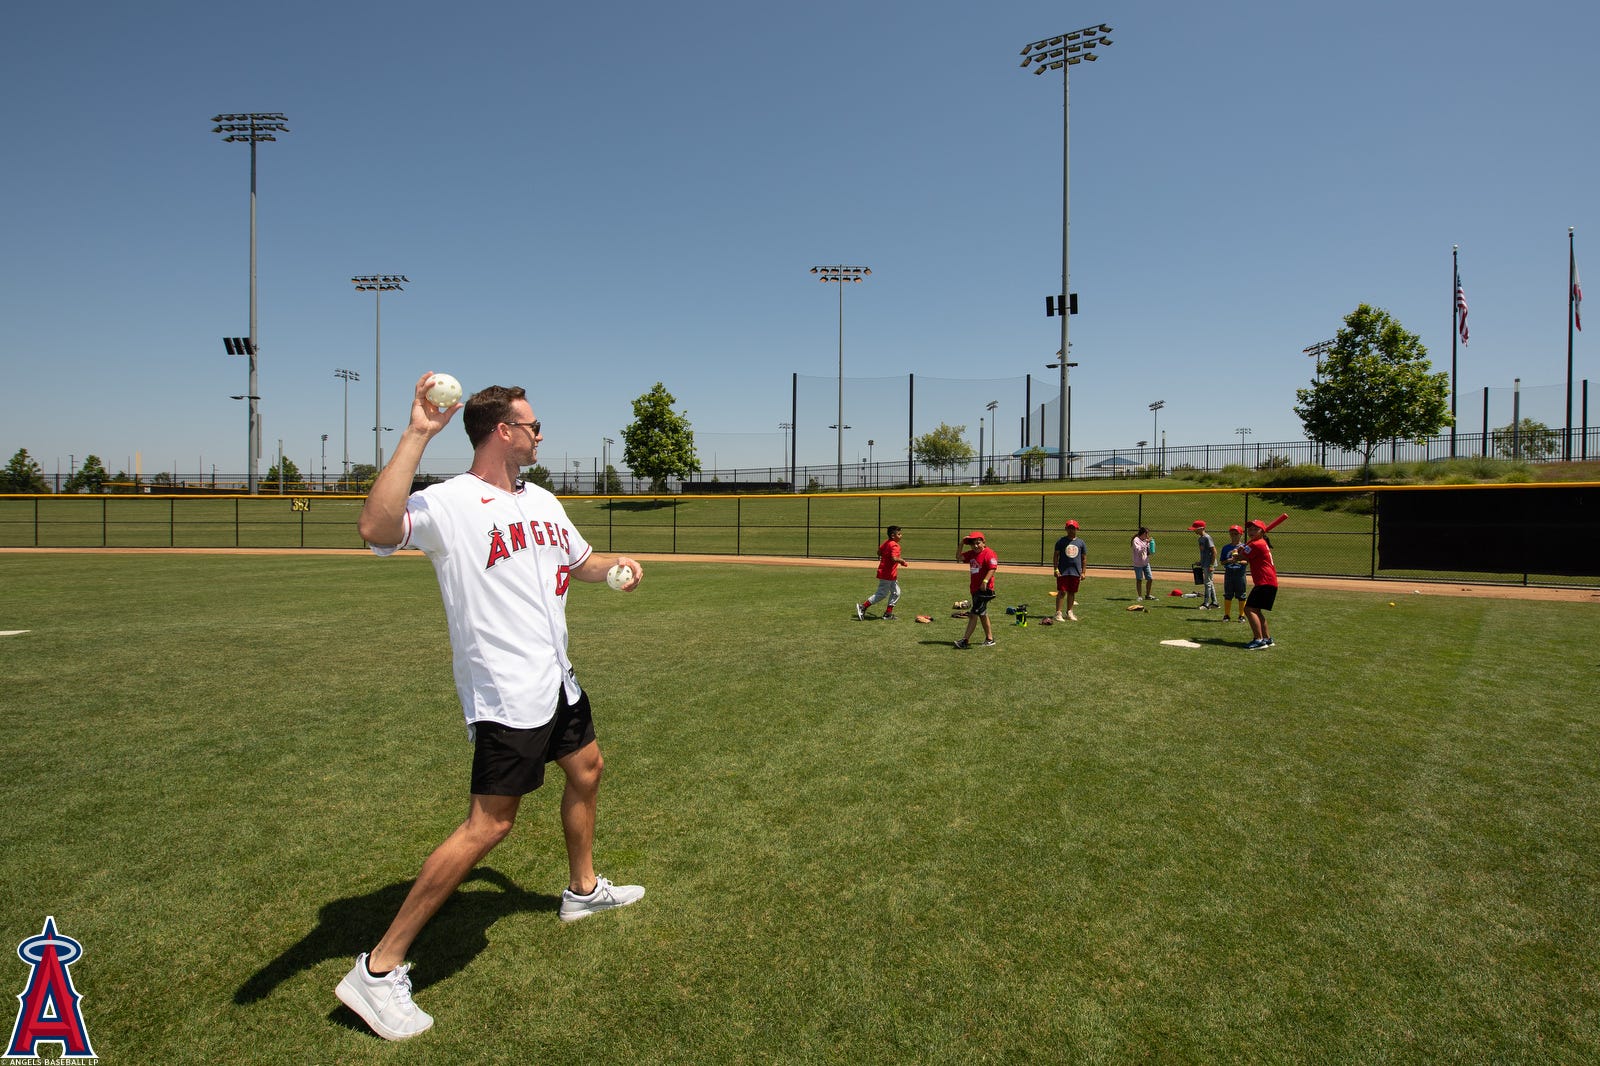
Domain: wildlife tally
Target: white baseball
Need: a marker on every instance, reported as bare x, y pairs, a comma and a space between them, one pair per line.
619, 576
443, 391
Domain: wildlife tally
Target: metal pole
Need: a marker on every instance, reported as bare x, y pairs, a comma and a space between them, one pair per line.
377, 381
1455, 311
1572, 276
1516, 418
911, 430
1483, 448
255, 340
1065, 428
1064, 52
838, 474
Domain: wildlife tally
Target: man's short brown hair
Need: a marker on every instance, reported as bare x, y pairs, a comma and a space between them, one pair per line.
489, 407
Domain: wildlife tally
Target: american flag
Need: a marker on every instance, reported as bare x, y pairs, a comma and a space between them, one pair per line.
1461, 308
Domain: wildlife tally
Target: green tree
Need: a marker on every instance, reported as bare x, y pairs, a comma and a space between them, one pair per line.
290, 477
1528, 439
611, 481
1033, 462
538, 475
944, 449
1376, 385
659, 443
22, 474
360, 478
90, 477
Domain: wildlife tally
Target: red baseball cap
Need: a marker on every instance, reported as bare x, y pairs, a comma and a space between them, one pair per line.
1070, 524
1257, 523
1197, 524
1235, 529
976, 534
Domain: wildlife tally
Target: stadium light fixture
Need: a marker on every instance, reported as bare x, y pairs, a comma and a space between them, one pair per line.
347, 376
841, 276
251, 128
1317, 351
1155, 434
378, 284
1056, 58
994, 429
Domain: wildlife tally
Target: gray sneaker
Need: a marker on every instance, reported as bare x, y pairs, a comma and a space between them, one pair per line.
605, 897
384, 1003
861, 613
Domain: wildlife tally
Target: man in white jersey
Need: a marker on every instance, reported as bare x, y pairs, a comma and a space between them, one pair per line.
504, 553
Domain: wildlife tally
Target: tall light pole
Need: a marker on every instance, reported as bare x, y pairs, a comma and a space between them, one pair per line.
324, 462
1317, 351
1155, 435
347, 376
605, 460
841, 275
1321, 348
251, 128
994, 427
786, 427
1243, 431
1061, 53
378, 284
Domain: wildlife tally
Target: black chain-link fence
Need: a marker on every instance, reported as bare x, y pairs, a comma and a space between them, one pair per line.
1327, 532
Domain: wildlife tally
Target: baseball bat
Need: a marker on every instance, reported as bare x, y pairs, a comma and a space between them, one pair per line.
1276, 522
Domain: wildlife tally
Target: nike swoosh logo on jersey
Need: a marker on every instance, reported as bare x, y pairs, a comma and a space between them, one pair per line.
485, 499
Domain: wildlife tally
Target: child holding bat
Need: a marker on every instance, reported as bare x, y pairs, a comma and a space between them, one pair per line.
1257, 551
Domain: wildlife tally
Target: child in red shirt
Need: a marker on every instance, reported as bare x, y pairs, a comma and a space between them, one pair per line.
982, 562
1264, 577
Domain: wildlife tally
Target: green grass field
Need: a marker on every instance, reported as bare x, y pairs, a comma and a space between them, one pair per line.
1376, 842
1329, 532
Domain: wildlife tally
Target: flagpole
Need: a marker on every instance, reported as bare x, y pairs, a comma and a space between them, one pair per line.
1572, 274
1455, 286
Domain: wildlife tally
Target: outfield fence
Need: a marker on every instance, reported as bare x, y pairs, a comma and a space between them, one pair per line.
1329, 532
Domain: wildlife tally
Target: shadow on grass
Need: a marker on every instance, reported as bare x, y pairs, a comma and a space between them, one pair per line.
1235, 641
347, 927
638, 505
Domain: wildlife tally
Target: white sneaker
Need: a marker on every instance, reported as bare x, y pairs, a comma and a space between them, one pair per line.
604, 897
384, 1003
861, 613
1072, 616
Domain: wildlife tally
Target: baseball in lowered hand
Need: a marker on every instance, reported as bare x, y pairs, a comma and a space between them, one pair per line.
443, 391
619, 576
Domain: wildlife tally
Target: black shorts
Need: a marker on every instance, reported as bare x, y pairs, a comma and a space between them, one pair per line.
507, 761
980, 602
1261, 597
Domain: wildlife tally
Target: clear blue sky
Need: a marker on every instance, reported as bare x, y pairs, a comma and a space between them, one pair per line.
591, 198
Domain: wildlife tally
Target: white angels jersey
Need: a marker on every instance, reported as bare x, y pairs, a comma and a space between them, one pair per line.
504, 561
